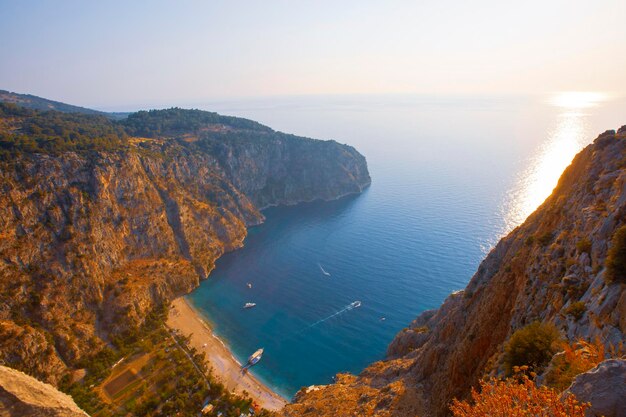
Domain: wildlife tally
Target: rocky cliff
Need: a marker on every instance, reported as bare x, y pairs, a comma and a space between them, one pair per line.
554, 260
94, 237
24, 396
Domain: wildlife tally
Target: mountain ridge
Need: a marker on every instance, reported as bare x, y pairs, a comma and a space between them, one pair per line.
39, 103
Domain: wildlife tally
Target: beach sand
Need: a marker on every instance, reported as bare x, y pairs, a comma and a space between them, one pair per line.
226, 369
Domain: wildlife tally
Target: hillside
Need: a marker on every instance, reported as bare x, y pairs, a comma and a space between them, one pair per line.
30, 101
103, 221
551, 269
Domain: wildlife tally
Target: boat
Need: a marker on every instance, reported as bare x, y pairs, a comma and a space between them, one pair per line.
249, 305
255, 357
355, 304
323, 271
249, 285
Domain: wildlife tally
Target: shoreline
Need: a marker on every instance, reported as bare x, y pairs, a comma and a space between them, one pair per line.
183, 317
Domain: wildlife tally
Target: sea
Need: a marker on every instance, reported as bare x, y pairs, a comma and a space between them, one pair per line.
450, 176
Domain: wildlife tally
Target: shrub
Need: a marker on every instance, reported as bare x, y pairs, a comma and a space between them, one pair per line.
577, 358
616, 258
533, 346
584, 245
545, 238
513, 398
576, 310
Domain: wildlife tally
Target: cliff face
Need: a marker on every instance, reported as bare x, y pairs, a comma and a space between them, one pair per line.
291, 171
534, 273
24, 396
91, 242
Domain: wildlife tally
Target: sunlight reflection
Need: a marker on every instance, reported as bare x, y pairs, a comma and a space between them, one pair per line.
567, 138
577, 99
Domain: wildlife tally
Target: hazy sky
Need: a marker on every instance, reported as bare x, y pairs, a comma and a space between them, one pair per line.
120, 53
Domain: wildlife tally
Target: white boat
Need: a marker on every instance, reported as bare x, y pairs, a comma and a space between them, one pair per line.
249, 305
249, 285
255, 357
355, 304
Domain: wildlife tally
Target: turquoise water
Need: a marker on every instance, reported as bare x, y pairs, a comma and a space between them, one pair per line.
449, 177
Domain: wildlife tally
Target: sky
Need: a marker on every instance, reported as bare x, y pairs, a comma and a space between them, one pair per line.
114, 54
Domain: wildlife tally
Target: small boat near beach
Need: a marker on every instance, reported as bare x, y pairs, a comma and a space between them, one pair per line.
249, 305
255, 357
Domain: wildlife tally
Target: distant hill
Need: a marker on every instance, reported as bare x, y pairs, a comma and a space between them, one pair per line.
38, 103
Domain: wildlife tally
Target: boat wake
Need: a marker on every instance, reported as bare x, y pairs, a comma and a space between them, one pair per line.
351, 306
323, 271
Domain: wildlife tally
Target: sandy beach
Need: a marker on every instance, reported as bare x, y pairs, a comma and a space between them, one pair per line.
187, 321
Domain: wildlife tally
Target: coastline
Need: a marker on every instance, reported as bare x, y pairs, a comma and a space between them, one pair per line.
225, 367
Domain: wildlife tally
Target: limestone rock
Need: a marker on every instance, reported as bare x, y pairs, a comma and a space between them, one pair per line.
604, 387
24, 396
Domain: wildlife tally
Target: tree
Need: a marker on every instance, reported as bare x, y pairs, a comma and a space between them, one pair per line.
533, 346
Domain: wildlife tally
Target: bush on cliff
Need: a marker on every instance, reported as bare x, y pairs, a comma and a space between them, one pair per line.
575, 359
616, 259
515, 398
584, 245
576, 310
532, 346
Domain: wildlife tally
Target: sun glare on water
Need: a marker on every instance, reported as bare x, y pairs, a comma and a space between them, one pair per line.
577, 100
567, 137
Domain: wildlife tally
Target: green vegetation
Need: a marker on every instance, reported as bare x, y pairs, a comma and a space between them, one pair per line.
576, 310
616, 258
43, 104
99, 365
157, 133
532, 345
29, 131
584, 245
155, 378
174, 122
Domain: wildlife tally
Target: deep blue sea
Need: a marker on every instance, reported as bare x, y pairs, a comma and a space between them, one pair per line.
450, 176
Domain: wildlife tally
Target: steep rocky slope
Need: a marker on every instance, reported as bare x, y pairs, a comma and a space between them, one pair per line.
554, 259
24, 396
91, 241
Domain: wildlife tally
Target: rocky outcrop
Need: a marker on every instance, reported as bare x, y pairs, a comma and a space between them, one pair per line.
91, 242
604, 387
24, 396
290, 171
553, 260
